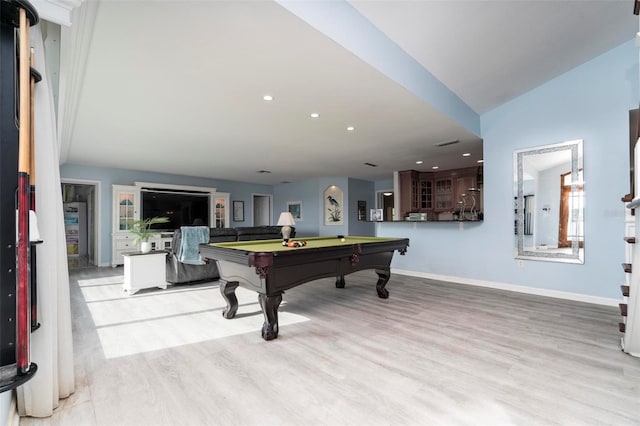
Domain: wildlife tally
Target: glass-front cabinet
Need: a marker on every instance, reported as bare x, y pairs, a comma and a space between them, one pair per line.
126, 200
125, 209
420, 196
444, 194
426, 194
220, 210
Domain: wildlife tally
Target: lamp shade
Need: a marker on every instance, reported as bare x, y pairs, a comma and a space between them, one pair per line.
286, 219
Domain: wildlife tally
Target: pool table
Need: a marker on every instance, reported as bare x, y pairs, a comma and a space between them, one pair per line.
269, 268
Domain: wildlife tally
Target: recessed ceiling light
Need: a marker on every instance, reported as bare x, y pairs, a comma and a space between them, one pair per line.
466, 154
351, 128
480, 161
435, 167
267, 97
315, 115
419, 162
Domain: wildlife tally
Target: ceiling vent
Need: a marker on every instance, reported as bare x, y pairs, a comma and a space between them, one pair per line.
445, 143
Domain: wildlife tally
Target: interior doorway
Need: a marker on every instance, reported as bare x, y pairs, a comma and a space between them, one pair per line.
80, 205
261, 209
385, 201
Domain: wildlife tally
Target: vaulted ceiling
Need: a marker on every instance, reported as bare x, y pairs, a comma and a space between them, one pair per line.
177, 86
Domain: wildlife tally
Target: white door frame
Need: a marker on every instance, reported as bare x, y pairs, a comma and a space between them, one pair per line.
98, 209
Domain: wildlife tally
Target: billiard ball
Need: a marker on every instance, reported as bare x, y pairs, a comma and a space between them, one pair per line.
342, 240
294, 244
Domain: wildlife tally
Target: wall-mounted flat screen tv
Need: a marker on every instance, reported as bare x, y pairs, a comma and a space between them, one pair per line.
182, 208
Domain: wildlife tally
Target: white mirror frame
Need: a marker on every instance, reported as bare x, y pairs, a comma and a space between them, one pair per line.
576, 254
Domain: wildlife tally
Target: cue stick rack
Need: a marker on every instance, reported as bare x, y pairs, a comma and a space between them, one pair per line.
18, 308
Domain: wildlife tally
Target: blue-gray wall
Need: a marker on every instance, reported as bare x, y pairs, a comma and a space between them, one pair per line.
360, 190
310, 192
305, 192
383, 185
109, 176
590, 102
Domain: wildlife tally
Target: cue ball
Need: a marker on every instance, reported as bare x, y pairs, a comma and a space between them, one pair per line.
342, 239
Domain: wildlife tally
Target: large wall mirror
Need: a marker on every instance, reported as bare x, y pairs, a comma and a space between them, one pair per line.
549, 203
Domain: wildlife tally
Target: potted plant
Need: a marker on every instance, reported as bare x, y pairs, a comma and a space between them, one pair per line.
142, 230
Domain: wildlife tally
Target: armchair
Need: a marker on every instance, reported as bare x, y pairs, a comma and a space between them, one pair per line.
179, 272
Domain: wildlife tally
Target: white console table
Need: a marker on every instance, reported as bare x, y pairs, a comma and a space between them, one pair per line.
144, 270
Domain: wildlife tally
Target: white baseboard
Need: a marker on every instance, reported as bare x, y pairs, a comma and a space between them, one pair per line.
577, 297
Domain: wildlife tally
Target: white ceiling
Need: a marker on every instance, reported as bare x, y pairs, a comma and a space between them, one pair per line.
176, 86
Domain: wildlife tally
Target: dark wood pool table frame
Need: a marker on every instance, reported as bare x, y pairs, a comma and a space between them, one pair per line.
270, 273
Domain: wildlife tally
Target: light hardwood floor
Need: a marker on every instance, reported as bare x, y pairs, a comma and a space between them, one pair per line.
433, 353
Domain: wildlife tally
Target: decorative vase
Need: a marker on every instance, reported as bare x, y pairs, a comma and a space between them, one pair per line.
145, 247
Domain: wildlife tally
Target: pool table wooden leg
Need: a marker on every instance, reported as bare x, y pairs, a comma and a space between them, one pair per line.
383, 278
269, 305
340, 283
228, 291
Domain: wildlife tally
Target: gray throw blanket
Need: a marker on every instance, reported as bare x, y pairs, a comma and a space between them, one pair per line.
191, 237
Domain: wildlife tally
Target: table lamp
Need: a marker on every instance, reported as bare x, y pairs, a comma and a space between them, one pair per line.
286, 220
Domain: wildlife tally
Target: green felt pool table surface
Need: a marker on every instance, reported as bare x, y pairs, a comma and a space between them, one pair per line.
312, 242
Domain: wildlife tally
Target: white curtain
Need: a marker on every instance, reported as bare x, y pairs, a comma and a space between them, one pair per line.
75, 47
51, 344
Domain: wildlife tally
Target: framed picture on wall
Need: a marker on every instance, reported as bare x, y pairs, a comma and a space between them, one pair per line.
238, 211
375, 215
295, 208
333, 209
